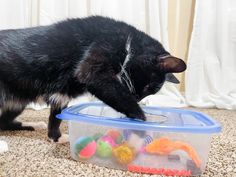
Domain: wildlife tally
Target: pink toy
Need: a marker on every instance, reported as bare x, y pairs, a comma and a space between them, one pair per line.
88, 151
116, 136
109, 140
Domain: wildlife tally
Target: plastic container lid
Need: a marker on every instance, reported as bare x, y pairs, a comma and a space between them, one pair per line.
158, 119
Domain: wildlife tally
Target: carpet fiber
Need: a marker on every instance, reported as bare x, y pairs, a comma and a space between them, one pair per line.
30, 154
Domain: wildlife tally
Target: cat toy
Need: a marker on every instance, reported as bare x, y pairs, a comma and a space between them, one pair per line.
124, 154
105, 143
158, 171
104, 149
164, 146
115, 135
85, 147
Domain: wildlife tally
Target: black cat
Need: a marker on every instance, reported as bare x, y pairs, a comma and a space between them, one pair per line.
110, 59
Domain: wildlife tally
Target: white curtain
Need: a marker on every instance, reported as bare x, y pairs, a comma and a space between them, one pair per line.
149, 16
211, 73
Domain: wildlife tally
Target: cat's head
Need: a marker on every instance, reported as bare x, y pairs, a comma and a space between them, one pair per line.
149, 72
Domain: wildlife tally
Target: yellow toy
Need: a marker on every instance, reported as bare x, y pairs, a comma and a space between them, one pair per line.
124, 154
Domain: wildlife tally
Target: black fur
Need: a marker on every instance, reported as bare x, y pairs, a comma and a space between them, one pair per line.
77, 56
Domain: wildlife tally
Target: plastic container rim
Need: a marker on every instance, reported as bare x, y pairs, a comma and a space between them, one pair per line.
127, 123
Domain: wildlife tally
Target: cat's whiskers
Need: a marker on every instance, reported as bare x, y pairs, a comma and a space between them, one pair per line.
123, 73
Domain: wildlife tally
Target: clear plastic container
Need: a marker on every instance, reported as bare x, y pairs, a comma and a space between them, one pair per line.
170, 142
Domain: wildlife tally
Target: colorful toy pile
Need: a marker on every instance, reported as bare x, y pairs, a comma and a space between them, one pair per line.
124, 147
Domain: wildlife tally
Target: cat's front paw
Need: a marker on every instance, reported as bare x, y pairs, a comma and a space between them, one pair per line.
139, 116
57, 137
142, 117
64, 138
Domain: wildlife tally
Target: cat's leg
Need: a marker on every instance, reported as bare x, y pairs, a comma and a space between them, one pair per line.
8, 114
97, 73
8, 122
54, 132
114, 94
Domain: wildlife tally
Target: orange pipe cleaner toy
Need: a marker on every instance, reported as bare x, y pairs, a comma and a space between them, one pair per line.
164, 146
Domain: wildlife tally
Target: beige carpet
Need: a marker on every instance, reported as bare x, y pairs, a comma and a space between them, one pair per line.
30, 154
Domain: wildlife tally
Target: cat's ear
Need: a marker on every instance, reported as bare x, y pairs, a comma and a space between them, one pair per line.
171, 78
171, 64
